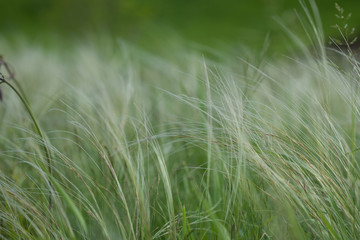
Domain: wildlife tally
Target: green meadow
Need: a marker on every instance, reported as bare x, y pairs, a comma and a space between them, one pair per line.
167, 134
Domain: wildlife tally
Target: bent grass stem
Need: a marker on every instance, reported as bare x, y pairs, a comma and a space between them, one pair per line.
26, 104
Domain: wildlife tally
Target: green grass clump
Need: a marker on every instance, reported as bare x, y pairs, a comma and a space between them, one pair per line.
178, 146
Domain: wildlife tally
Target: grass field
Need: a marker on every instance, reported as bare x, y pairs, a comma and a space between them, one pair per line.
104, 140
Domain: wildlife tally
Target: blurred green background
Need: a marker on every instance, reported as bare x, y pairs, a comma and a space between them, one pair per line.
207, 22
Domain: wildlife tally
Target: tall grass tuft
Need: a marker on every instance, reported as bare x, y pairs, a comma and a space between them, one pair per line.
180, 146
